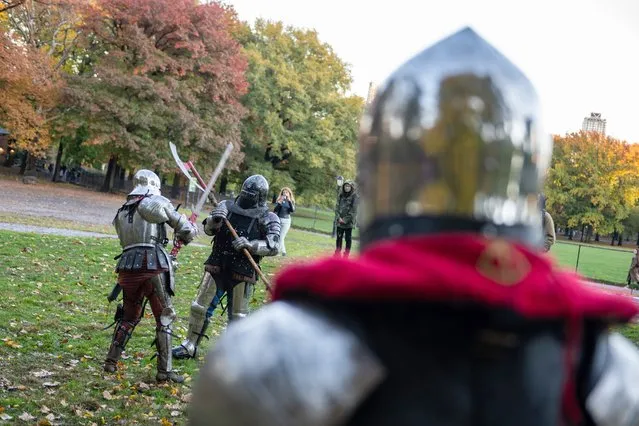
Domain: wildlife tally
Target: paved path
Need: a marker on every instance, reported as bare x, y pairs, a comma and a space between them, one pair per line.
15, 227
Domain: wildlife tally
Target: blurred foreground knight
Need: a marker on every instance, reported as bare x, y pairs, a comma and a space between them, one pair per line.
145, 269
451, 315
227, 270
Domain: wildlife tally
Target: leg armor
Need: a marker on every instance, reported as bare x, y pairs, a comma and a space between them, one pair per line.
161, 301
121, 335
239, 301
198, 321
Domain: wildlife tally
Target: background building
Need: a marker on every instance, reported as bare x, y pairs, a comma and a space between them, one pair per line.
372, 90
594, 123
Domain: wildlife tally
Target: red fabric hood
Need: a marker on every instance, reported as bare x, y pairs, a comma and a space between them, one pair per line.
455, 267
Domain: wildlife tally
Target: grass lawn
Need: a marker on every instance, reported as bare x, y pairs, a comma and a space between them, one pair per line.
52, 346
597, 263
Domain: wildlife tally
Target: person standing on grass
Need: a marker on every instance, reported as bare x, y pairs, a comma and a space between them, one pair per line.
451, 315
346, 216
145, 269
548, 224
284, 207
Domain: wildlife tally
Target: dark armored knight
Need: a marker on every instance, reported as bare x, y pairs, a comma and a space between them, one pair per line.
227, 269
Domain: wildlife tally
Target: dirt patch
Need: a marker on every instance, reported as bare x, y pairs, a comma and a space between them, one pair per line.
59, 201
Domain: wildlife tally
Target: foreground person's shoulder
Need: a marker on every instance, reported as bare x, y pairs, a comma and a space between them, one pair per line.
284, 365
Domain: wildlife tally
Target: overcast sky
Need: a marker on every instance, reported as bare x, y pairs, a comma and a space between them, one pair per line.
582, 55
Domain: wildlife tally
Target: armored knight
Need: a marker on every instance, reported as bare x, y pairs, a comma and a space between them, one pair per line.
145, 269
227, 269
451, 315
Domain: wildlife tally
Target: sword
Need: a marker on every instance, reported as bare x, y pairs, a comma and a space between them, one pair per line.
177, 244
183, 166
248, 255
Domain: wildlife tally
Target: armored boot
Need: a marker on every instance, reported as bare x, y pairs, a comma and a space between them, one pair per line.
112, 358
188, 349
121, 336
165, 363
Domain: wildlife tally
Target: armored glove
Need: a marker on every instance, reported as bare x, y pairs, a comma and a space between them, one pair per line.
242, 243
220, 212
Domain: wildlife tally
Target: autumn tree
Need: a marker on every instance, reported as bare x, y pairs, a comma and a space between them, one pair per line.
156, 71
301, 128
29, 88
592, 183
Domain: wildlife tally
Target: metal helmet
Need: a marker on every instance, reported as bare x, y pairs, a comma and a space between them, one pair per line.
145, 182
453, 143
254, 192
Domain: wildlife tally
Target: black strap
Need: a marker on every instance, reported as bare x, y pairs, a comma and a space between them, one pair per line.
386, 228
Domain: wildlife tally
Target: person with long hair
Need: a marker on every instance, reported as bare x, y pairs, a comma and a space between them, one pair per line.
284, 207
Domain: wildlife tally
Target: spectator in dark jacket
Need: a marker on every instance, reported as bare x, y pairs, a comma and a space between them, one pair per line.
345, 216
284, 206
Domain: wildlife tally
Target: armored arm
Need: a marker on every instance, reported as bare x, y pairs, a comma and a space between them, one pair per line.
214, 221
270, 244
158, 209
612, 394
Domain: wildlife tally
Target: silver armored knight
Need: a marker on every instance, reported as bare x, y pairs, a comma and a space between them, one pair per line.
145, 268
227, 270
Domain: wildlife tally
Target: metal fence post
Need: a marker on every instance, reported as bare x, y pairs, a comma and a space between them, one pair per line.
314, 219
578, 253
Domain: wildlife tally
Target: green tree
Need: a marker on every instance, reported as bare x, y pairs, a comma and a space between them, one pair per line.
301, 128
592, 183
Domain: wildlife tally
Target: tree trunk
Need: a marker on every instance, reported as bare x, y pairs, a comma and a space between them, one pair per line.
569, 230
121, 177
614, 237
131, 174
620, 240
581, 238
58, 161
116, 173
637, 239
108, 179
175, 189
224, 182
597, 237
25, 163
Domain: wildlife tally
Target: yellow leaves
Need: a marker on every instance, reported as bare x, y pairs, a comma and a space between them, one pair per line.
165, 422
11, 343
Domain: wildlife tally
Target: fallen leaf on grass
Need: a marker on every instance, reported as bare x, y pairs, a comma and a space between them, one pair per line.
26, 417
50, 384
17, 388
79, 242
11, 343
44, 422
5, 416
63, 403
107, 395
186, 398
42, 373
141, 386
50, 417
165, 422
175, 413
45, 410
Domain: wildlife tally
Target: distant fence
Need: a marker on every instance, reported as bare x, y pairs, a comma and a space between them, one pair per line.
598, 263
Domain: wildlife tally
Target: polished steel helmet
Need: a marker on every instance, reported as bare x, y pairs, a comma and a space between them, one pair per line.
453, 143
145, 182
